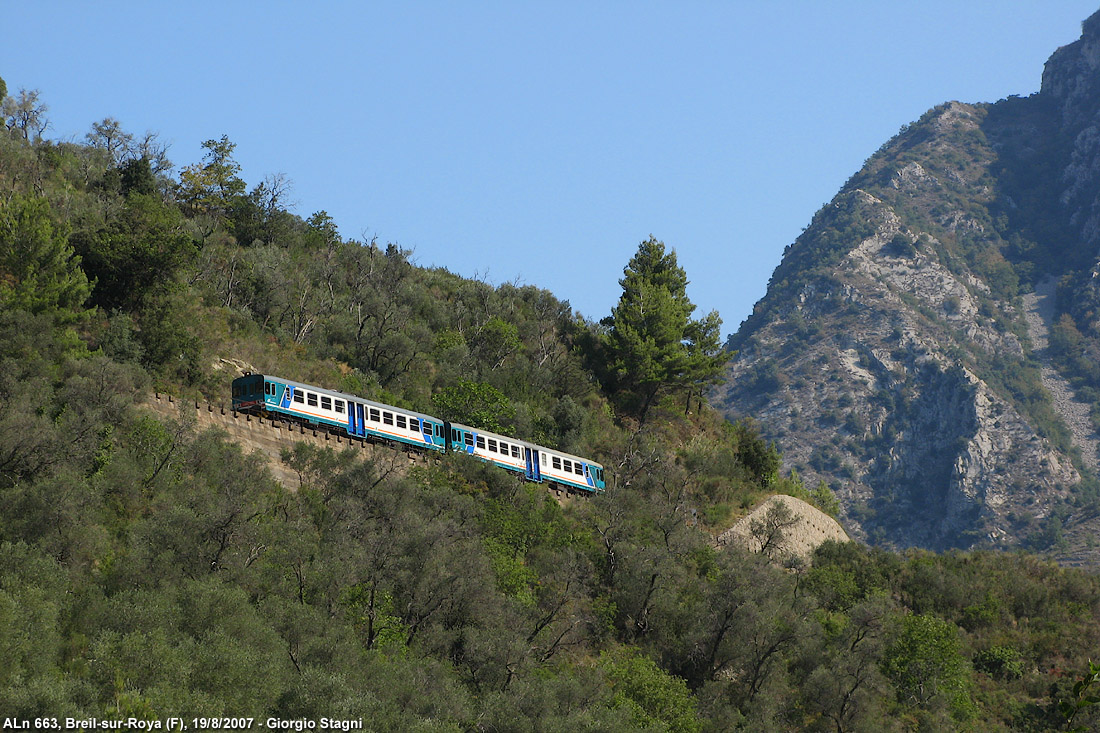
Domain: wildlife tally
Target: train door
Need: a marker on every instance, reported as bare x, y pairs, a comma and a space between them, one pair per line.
532, 458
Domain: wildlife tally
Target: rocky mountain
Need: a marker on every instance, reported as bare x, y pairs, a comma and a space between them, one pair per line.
930, 345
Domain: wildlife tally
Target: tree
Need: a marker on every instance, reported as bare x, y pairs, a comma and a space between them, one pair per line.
925, 663
136, 176
108, 135
848, 687
652, 342
212, 185
24, 116
655, 698
39, 271
770, 530
476, 404
138, 249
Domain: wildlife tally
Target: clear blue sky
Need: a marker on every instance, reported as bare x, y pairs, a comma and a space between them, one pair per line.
540, 142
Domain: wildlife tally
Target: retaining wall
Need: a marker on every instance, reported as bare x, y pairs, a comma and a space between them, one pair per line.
270, 437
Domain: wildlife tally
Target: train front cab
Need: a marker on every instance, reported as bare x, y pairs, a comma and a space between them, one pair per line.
596, 472
248, 393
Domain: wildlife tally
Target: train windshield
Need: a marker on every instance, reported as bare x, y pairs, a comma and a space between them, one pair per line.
248, 388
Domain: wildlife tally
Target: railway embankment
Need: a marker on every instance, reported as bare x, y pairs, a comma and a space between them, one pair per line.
269, 437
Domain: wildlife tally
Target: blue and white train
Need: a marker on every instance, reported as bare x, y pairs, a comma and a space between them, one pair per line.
263, 394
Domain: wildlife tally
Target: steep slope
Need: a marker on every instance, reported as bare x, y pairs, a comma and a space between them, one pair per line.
891, 355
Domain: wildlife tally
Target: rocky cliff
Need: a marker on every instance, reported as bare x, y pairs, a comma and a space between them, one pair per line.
901, 354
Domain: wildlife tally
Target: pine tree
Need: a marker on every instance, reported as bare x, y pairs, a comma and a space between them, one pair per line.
653, 344
39, 271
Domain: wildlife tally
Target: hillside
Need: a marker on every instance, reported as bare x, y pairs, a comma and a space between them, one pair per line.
928, 345
149, 567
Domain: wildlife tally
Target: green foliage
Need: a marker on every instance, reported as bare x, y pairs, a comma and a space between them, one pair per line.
140, 249
653, 697
1081, 700
476, 404
652, 342
925, 663
824, 499
212, 185
168, 344
149, 569
1000, 662
39, 272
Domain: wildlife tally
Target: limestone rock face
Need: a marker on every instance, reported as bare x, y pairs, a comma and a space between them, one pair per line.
893, 355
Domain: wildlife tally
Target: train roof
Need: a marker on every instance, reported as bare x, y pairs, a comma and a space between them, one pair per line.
346, 396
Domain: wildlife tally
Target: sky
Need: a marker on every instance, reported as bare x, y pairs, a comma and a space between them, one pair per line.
539, 143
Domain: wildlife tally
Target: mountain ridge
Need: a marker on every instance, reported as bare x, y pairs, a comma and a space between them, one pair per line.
892, 357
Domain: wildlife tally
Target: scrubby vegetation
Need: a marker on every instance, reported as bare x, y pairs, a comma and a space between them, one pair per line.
147, 569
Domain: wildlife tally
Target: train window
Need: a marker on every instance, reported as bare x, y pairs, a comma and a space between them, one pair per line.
438, 430
340, 406
469, 438
374, 415
515, 451
414, 424
557, 462
311, 399
567, 465
492, 445
298, 397
326, 403
503, 447
543, 455
480, 442
401, 422
387, 418
578, 469
454, 435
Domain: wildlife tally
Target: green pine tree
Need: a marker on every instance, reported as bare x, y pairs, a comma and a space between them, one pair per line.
652, 342
39, 272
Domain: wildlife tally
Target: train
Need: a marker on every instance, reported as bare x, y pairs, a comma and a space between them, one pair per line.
264, 394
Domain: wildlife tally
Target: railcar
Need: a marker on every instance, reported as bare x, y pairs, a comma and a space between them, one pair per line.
357, 417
